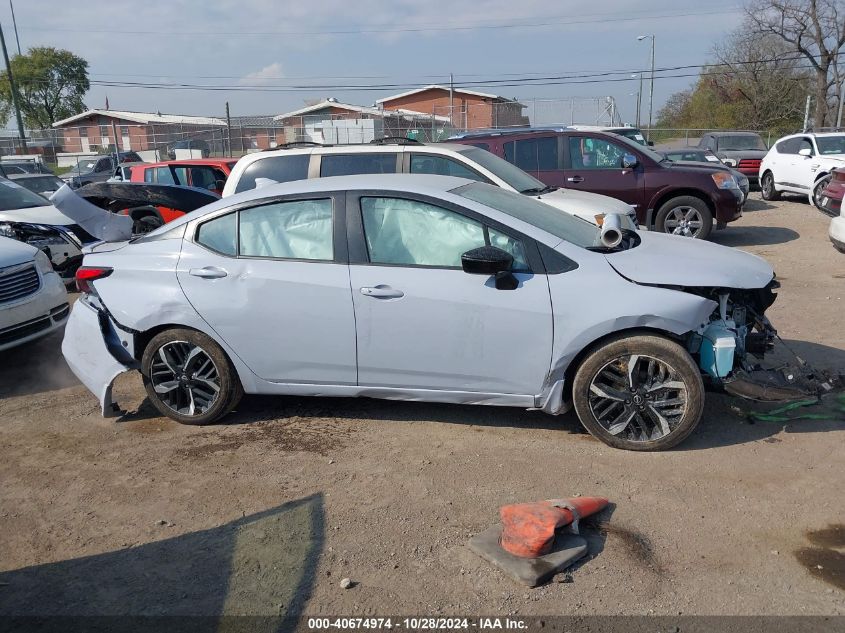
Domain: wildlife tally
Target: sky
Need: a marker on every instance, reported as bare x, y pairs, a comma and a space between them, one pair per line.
255, 51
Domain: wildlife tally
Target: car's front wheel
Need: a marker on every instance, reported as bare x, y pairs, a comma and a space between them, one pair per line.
687, 216
188, 377
767, 187
821, 183
639, 393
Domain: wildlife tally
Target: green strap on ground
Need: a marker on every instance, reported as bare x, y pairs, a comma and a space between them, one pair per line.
834, 410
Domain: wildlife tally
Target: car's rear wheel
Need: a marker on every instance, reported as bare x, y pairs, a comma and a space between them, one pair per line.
687, 216
767, 187
821, 183
639, 393
188, 377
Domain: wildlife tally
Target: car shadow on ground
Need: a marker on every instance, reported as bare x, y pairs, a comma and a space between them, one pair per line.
753, 235
34, 368
756, 204
263, 564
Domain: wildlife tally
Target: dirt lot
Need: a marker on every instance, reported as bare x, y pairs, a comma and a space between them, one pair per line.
267, 513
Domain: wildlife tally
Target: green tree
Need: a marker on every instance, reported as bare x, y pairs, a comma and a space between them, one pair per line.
50, 83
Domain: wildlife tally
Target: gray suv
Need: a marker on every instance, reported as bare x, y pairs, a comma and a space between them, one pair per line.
741, 150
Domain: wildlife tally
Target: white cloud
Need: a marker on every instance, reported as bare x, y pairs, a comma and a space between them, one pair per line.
263, 77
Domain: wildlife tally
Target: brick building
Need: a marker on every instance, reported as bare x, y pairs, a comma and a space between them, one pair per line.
331, 121
92, 131
466, 109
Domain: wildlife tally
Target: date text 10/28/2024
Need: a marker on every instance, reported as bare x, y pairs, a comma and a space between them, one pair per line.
417, 624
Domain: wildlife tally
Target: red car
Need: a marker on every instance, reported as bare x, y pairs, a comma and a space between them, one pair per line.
831, 196
202, 173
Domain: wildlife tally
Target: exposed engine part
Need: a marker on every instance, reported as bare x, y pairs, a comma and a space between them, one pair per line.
777, 385
758, 343
63, 249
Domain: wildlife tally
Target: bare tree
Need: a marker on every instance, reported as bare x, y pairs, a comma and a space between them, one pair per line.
757, 73
813, 29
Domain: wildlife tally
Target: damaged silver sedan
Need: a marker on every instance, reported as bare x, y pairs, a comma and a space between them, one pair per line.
426, 288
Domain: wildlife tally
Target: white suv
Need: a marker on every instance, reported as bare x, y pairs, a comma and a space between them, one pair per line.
801, 163
301, 161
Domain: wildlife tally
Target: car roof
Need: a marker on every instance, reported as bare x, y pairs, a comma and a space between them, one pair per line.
214, 162
37, 175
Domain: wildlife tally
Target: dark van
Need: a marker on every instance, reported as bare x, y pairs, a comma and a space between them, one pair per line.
680, 199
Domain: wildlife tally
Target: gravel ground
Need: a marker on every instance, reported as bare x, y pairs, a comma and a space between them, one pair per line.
267, 513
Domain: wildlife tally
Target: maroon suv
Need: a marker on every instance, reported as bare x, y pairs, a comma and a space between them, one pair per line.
680, 199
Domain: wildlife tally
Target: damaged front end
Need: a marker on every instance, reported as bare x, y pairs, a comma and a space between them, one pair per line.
62, 247
737, 336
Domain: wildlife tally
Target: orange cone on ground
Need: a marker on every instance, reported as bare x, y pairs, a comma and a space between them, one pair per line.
529, 528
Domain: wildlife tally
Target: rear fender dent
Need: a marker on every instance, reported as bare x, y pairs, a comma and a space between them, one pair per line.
95, 354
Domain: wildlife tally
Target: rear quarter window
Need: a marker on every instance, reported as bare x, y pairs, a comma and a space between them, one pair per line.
354, 164
278, 168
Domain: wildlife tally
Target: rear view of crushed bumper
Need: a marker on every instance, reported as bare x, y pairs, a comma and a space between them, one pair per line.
93, 351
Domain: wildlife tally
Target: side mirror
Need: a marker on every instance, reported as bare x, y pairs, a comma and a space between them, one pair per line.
806, 152
486, 260
629, 161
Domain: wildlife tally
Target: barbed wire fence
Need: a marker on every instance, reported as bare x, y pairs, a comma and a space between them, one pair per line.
68, 145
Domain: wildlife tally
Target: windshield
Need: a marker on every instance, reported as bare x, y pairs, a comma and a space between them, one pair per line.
560, 224
632, 133
741, 142
511, 174
831, 144
13, 196
40, 183
83, 168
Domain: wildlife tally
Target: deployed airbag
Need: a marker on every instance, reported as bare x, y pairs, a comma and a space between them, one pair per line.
104, 225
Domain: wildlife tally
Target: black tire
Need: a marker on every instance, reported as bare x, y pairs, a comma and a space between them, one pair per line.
767, 188
146, 224
631, 413
195, 377
673, 215
820, 184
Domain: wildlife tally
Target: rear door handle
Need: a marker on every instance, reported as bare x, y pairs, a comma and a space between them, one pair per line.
575, 179
208, 272
381, 292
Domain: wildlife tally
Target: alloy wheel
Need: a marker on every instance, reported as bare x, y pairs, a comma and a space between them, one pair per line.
817, 192
684, 220
185, 378
638, 398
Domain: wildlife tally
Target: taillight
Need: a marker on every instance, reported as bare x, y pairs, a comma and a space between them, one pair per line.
86, 274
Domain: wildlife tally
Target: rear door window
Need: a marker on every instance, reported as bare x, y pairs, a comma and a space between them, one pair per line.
276, 168
354, 164
534, 154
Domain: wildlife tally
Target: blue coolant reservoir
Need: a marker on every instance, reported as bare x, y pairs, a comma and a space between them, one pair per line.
718, 345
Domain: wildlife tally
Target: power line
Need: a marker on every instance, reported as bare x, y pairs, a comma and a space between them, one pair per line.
558, 21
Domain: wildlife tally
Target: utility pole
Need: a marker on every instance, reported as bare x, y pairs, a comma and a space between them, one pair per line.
841, 104
651, 85
451, 99
806, 114
15, 26
639, 97
228, 130
14, 92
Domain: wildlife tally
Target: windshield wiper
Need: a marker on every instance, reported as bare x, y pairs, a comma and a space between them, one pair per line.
537, 191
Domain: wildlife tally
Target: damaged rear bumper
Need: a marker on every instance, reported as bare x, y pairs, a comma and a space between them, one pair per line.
94, 352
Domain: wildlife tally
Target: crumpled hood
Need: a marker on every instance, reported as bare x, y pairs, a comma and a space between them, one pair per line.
671, 260
584, 204
47, 214
13, 252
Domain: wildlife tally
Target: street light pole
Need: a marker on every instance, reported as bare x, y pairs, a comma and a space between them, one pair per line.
639, 97
651, 85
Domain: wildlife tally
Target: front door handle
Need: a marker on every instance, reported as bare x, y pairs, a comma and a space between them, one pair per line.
575, 179
381, 292
208, 272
